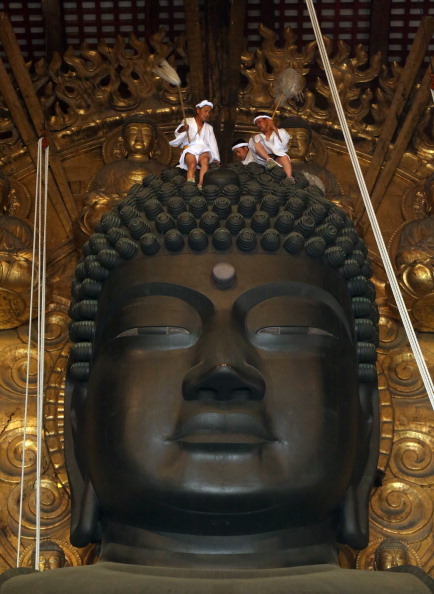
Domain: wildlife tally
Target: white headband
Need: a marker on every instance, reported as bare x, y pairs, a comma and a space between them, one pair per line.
239, 145
203, 103
263, 115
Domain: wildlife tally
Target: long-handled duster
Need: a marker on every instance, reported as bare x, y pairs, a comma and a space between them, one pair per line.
288, 84
165, 71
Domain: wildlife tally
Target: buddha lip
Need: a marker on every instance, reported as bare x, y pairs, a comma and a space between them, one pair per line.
216, 427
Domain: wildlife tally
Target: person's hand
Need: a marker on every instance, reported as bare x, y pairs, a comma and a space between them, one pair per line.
184, 128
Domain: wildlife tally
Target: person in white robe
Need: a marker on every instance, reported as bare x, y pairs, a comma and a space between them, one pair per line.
271, 144
198, 141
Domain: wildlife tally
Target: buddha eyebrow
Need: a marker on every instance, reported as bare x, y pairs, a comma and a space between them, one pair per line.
257, 295
195, 299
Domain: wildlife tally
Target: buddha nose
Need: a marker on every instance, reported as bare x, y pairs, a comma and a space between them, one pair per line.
223, 383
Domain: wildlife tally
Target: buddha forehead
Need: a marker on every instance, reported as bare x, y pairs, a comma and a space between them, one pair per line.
253, 279
302, 240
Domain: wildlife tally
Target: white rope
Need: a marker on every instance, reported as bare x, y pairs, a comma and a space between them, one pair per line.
41, 343
38, 253
29, 345
423, 369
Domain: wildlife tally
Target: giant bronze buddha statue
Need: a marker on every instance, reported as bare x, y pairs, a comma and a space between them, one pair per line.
222, 402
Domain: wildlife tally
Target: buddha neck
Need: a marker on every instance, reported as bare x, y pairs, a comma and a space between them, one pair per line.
139, 157
287, 548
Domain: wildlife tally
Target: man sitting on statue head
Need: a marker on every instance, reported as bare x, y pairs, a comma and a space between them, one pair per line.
221, 433
198, 141
271, 144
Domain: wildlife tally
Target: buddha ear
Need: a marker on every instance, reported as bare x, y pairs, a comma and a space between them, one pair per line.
354, 518
85, 525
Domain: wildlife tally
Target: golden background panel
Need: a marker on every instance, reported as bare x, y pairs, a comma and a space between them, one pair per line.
413, 457
11, 452
402, 508
54, 507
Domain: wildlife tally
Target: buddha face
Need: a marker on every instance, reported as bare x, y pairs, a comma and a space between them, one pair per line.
391, 557
222, 403
299, 143
50, 559
139, 138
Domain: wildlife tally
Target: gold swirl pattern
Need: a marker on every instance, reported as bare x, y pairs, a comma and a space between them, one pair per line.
54, 508
402, 509
392, 334
403, 375
412, 458
13, 368
56, 325
11, 453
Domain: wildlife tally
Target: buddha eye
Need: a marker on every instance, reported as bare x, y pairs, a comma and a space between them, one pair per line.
288, 330
284, 338
153, 330
160, 337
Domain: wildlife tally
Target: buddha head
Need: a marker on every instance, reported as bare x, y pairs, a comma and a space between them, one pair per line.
51, 556
223, 368
139, 135
301, 137
391, 553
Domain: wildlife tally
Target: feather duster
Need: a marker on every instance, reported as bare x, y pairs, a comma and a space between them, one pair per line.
165, 71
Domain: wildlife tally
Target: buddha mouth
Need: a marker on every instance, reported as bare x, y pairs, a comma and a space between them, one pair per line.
223, 428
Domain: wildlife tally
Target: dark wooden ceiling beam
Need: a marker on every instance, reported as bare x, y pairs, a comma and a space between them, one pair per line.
380, 28
54, 27
267, 14
33, 127
231, 79
403, 90
195, 49
152, 8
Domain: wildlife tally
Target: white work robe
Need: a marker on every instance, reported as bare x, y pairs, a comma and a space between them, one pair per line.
250, 157
273, 145
200, 142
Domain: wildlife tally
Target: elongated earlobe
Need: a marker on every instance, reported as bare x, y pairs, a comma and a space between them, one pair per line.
85, 524
354, 519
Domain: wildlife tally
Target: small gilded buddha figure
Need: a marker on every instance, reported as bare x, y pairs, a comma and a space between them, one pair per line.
112, 182
15, 264
139, 135
51, 556
415, 255
391, 553
221, 401
300, 143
